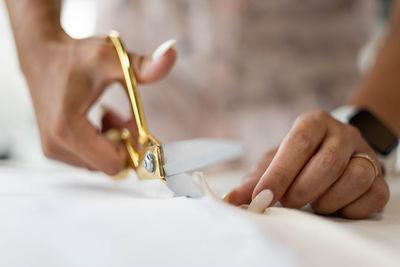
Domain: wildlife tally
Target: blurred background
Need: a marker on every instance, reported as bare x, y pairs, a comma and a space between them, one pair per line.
19, 138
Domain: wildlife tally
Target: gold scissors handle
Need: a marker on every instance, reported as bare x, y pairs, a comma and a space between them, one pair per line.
131, 87
147, 160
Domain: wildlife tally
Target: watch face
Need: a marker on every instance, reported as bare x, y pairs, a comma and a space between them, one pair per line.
376, 134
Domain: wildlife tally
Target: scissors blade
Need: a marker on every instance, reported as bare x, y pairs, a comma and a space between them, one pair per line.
195, 154
183, 185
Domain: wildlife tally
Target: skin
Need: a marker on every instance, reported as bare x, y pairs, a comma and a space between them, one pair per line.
312, 165
65, 77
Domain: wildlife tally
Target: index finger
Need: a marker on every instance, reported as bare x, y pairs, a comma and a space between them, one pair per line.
96, 150
294, 152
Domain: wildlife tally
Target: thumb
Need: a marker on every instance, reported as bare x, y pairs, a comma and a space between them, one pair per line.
148, 69
156, 67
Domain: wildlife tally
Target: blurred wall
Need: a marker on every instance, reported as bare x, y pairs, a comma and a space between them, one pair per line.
18, 134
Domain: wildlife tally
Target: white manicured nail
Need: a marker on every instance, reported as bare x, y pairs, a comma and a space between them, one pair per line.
261, 201
163, 48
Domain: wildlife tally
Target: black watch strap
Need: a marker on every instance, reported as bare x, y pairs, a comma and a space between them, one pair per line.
379, 137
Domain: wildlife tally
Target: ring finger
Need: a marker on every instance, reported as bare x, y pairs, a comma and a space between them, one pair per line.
355, 181
372, 201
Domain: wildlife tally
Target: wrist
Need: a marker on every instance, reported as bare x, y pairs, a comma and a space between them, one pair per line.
380, 137
37, 49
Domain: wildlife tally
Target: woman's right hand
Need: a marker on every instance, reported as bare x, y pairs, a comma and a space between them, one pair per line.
65, 77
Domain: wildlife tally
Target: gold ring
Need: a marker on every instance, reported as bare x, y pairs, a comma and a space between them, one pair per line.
370, 160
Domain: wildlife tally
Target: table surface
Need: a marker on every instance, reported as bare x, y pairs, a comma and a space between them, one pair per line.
60, 216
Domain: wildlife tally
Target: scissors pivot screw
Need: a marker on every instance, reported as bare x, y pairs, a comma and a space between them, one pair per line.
148, 162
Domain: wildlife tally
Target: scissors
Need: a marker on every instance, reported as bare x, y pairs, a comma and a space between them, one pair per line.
169, 162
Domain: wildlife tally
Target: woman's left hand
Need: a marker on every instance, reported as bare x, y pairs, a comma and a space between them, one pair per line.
315, 164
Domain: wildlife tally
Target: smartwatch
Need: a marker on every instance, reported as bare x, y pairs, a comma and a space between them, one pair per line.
378, 136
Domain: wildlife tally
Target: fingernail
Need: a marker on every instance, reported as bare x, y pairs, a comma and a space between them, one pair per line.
227, 197
244, 206
104, 109
261, 201
162, 49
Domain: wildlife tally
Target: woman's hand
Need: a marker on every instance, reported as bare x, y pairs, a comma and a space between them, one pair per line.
65, 77
314, 164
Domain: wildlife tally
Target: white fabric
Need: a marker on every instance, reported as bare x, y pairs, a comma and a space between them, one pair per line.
68, 217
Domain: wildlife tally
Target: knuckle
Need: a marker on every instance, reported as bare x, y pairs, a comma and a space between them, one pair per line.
330, 161
102, 51
339, 141
320, 115
302, 139
59, 130
364, 181
303, 133
303, 117
312, 117
361, 175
